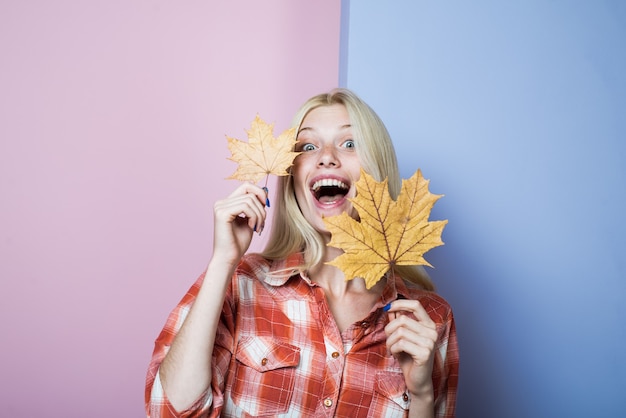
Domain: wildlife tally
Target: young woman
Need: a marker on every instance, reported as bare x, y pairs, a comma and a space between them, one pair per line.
284, 334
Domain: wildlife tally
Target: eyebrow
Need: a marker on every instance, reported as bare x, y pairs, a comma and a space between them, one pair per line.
307, 128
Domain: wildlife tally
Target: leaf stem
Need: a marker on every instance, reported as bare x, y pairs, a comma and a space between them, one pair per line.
267, 198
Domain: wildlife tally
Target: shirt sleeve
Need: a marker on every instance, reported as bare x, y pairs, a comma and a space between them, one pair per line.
446, 368
210, 402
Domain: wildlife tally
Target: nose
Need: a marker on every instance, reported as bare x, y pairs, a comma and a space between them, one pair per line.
328, 157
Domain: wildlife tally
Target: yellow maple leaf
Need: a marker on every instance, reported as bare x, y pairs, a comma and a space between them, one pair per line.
262, 154
388, 232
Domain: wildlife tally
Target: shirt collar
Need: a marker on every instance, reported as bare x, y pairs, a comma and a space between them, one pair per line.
394, 289
279, 271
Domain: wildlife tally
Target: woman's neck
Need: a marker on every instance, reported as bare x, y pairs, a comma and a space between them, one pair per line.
333, 280
349, 301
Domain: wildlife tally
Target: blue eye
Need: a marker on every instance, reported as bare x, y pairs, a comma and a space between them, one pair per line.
308, 147
349, 143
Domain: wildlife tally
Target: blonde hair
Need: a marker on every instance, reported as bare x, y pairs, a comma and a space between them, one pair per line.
291, 232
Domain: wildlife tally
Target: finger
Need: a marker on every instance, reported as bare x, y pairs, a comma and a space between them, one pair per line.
420, 354
267, 198
408, 326
413, 333
413, 306
405, 327
253, 211
416, 347
248, 188
240, 207
257, 223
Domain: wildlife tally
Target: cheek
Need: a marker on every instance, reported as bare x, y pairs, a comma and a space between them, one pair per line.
355, 160
296, 174
297, 167
299, 192
299, 188
299, 170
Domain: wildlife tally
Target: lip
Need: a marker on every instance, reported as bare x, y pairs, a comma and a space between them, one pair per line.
329, 177
337, 203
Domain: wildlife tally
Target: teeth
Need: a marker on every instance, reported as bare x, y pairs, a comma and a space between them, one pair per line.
328, 182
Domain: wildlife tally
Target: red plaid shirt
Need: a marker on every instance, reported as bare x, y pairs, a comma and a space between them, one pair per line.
279, 353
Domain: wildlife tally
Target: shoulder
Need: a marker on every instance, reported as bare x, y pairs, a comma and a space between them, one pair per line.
271, 272
257, 280
253, 265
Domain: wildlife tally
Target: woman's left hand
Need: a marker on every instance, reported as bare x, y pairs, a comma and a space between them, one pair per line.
412, 339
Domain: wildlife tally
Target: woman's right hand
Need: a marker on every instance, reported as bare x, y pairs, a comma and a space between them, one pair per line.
236, 219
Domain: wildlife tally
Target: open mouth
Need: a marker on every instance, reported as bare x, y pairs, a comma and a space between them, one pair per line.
329, 190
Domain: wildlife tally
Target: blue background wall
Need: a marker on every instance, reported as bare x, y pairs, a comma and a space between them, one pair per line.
516, 111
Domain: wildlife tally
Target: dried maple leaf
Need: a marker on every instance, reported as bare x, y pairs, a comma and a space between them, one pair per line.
262, 154
389, 232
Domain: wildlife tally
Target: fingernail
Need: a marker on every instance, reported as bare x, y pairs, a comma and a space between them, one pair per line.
387, 307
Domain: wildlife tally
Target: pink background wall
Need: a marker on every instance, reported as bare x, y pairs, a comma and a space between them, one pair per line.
113, 116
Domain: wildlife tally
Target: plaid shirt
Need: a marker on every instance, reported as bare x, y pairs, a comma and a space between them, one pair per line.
278, 352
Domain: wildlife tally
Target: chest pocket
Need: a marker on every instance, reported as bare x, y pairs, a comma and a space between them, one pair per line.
390, 394
264, 375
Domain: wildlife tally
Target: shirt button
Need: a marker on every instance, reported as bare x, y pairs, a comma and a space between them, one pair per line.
405, 397
328, 402
335, 354
263, 362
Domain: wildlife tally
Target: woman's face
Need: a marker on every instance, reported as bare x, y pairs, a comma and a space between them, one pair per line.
325, 173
